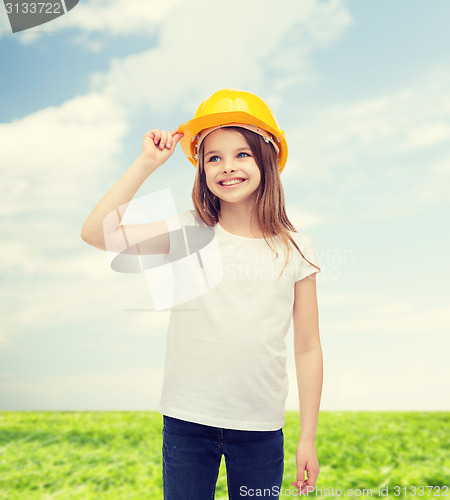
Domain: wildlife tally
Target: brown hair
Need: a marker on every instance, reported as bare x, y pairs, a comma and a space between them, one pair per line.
269, 202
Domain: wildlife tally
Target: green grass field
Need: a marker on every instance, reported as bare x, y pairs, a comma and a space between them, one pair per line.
117, 455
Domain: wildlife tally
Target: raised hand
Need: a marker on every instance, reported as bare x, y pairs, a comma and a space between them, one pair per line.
158, 145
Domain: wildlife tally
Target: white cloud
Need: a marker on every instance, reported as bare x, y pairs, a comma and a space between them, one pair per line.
358, 384
197, 29
435, 319
339, 136
45, 154
426, 135
434, 187
128, 390
53, 156
53, 161
119, 17
367, 151
204, 46
353, 388
442, 166
369, 313
5, 27
47, 303
302, 219
379, 353
107, 17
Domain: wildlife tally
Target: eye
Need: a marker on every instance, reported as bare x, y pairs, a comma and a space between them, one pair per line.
242, 153
212, 159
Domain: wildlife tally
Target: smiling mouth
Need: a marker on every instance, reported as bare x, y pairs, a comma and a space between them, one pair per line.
234, 183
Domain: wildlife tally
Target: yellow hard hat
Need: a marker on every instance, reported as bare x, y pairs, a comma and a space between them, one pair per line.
228, 107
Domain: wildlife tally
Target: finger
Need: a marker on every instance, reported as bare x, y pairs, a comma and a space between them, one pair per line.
308, 488
150, 135
299, 486
169, 142
301, 481
302, 489
162, 143
176, 139
167, 138
312, 477
157, 136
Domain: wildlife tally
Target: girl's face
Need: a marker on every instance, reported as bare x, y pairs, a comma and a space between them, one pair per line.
228, 156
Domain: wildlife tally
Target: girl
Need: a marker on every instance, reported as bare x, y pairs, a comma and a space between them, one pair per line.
225, 381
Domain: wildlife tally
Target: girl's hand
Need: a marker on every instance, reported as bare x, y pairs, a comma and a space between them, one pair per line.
159, 145
306, 459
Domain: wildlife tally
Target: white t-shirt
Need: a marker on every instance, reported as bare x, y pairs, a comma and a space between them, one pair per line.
226, 354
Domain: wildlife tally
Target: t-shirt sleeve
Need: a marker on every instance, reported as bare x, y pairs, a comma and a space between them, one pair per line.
303, 267
186, 218
175, 226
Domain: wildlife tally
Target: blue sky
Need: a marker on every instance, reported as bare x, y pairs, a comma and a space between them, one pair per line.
362, 91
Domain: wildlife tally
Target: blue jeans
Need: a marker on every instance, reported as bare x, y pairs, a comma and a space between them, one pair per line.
192, 454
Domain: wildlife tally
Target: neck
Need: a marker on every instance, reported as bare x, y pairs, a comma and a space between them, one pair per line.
236, 218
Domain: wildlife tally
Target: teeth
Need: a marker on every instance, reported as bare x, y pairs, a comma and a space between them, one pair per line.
228, 183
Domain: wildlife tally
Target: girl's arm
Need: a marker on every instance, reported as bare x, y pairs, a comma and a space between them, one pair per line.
104, 220
309, 368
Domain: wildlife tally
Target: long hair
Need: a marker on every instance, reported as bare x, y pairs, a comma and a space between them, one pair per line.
269, 204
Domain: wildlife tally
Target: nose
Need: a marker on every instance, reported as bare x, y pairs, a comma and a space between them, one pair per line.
227, 167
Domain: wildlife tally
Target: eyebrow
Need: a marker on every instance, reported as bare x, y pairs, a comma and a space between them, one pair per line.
236, 150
